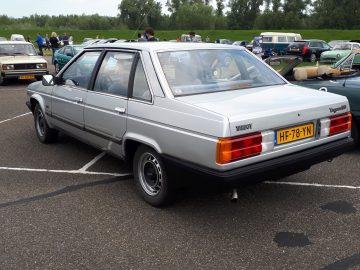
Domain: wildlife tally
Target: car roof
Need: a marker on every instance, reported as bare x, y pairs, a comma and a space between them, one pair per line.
163, 46
14, 42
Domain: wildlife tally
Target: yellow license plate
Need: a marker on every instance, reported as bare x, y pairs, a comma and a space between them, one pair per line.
26, 77
294, 133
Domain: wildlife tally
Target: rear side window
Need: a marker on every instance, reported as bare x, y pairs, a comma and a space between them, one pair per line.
141, 88
282, 39
267, 39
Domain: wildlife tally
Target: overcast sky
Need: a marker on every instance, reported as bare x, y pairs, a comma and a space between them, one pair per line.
20, 8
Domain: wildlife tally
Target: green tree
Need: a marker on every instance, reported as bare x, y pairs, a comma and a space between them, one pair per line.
195, 16
331, 14
243, 13
138, 14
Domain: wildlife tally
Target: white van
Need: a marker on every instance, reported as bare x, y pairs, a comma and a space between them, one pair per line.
277, 41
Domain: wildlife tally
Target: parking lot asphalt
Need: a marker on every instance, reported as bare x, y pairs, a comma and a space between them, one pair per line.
68, 206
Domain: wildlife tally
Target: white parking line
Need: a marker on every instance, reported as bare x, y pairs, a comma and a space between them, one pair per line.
92, 162
311, 185
62, 171
7, 120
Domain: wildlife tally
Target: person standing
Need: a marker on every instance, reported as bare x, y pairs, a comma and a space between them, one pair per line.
54, 42
40, 42
65, 39
150, 34
47, 41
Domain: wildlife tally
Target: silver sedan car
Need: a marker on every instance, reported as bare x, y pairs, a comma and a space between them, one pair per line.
213, 109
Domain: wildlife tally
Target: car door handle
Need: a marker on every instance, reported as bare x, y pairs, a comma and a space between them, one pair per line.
120, 110
78, 100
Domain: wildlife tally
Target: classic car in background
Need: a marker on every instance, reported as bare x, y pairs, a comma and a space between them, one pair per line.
342, 79
19, 60
338, 52
277, 42
17, 37
309, 50
332, 43
64, 55
214, 109
240, 43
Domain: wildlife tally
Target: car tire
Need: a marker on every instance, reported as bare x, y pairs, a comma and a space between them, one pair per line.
355, 132
57, 68
44, 133
313, 58
150, 177
2, 80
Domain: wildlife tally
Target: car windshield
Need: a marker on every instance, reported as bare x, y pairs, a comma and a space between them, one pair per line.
342, 47
204, 71
78, 49
17, 49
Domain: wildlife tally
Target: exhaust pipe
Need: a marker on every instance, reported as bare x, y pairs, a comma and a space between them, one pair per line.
234, 195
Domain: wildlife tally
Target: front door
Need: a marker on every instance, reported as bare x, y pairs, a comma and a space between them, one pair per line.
107, 105
68, 98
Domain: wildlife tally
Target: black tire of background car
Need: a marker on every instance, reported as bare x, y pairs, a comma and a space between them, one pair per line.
2, 80
48, 135
355, 132
165, 193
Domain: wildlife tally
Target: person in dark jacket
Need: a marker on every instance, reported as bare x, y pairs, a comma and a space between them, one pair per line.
150, 34
40, 42
54, 43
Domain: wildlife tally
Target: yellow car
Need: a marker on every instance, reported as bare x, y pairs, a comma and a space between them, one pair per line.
19, 60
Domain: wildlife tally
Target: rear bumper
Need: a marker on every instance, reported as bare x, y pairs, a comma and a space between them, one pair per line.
270, 169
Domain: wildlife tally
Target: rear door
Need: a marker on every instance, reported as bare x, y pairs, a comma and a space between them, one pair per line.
106, 107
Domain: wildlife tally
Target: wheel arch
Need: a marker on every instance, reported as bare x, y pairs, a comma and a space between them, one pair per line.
132, 141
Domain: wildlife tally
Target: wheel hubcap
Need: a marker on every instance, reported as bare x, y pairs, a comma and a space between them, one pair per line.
40, 123
150, 174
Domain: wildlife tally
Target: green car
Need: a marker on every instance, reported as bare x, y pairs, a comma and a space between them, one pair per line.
343, 78
338, 52
65, 54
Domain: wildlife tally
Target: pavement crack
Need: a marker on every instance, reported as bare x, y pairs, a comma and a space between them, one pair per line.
67, 189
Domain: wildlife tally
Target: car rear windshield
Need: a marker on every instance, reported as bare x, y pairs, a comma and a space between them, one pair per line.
193, 72
17, 49
297, 44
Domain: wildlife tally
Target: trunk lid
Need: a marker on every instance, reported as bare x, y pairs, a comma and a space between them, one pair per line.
269, 108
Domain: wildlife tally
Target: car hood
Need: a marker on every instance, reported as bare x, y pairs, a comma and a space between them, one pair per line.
269, 107
22, 59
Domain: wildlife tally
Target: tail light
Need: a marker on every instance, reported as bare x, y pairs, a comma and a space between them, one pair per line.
340, 123
304, 49
335, 124
239, 147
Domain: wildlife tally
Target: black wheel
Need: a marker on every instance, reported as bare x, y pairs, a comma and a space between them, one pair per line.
57, 68
43, 132
355, 132
313, 58
2, 80
151, 178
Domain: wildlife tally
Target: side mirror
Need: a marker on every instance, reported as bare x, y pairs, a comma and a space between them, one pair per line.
48, 80
51, 80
